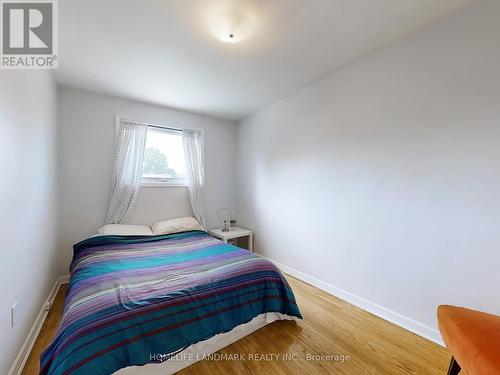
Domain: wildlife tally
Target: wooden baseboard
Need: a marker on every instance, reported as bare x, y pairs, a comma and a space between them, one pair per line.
380, 311
24, 352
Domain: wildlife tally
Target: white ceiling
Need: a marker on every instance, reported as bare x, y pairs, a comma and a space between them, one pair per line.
162, 52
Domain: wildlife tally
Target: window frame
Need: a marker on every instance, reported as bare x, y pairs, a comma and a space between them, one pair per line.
163, 181
155, 181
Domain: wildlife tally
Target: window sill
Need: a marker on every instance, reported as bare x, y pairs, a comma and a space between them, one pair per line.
163, 184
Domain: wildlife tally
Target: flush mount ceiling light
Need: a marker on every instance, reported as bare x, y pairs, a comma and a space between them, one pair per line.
231, 25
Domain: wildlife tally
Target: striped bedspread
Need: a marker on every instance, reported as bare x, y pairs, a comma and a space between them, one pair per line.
133, 298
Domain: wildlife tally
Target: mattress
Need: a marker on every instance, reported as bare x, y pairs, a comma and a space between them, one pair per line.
140, 300
203, 349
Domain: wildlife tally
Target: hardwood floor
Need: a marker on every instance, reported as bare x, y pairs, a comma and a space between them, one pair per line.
331, 327
47, 333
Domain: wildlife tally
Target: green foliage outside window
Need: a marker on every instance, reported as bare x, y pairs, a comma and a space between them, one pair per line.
155, 164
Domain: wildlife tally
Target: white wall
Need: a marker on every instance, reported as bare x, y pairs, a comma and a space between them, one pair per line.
28, 202
383, 179
86, 147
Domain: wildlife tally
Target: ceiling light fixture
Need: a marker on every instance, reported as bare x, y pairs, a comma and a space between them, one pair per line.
231, 25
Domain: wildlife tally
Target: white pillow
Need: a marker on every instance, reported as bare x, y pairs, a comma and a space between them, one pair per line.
125, 230
181, 224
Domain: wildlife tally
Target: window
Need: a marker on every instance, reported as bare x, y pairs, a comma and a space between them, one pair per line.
163, 162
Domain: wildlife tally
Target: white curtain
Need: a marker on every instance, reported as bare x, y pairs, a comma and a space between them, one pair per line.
127, 171
195, 173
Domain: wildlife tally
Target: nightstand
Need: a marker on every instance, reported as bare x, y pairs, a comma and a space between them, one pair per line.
234, 233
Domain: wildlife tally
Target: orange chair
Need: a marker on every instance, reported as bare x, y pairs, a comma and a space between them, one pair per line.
473, 338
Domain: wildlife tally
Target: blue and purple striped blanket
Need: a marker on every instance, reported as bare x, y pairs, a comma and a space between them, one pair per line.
133, 297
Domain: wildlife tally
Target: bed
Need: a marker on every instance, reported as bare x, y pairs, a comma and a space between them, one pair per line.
135, 303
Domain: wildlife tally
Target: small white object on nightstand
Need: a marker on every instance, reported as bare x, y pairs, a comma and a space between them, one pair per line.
235, 232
